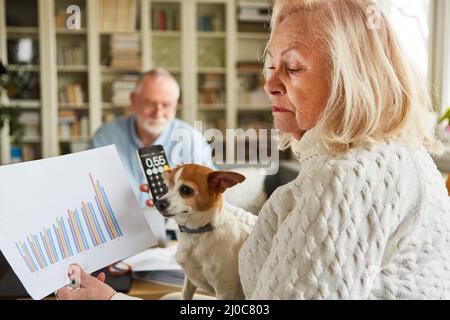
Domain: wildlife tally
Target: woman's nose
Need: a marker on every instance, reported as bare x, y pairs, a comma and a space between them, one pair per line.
273, 85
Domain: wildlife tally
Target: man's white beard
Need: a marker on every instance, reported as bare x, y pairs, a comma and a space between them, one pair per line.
153, 127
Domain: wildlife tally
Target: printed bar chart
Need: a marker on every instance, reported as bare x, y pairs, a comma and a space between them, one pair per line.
79, 231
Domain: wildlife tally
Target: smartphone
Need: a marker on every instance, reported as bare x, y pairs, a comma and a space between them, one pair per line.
154, 163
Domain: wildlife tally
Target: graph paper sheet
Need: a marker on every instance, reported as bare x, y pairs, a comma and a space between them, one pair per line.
77, 208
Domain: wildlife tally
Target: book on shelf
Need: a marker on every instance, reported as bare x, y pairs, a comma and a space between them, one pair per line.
60, 19
251, 90
31, 122
71, 125
79, 146
72, 93
125, 51
253, 11
71, 56
165, 19
217, 123
28, 152
117, 15
121, 89
212, 89
249, 66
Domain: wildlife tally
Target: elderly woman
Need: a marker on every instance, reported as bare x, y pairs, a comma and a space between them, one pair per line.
368, 215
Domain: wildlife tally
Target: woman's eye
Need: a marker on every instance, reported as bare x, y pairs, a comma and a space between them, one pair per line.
294, 70
186, 191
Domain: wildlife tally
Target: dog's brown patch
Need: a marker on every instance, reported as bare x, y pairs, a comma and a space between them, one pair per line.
196, 177
207, 184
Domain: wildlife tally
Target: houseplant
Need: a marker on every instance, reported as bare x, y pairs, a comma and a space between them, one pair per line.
446, 118
8, 113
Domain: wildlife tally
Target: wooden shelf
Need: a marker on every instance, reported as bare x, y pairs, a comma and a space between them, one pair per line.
81, 68
71, 106
211, 70
110, 106
253, 36
111, 32
31, 139
65, 31
24, 67
249, 71
168, 33
107, 69
211, 107
173, 69
211, 34
25, 104
74, 139
22, 30
255, 107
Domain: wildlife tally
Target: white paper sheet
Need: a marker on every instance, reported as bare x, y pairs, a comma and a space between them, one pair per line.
77, 208
154, 259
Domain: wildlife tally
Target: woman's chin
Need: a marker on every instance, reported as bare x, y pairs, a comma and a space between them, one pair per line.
285, 124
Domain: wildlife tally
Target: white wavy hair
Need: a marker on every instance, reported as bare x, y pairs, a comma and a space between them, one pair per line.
375, 92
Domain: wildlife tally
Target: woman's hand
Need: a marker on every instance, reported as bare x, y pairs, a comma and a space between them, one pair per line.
90, 288
144, 188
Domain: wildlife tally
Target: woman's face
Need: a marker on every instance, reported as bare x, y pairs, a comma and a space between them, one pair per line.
298, 76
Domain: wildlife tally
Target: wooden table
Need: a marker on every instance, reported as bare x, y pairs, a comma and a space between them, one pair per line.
150, 290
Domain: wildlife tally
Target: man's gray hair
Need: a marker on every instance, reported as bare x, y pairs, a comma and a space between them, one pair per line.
156, 73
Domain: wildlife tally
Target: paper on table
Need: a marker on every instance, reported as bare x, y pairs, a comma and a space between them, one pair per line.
154, 259
76, 208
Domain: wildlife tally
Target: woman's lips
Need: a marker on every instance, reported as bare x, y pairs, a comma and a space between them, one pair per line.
280, 109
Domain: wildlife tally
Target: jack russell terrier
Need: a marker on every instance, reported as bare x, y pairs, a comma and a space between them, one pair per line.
210, 237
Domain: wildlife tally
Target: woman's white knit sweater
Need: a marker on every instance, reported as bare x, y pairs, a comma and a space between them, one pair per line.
372, 224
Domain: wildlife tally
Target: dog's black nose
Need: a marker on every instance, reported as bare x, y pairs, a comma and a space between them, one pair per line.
162, 205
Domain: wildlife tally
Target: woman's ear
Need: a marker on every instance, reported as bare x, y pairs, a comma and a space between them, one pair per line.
222, 180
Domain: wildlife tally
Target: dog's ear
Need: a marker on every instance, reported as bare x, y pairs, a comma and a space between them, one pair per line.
222, 180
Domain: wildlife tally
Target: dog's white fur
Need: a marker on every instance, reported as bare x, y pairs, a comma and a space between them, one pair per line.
210, 259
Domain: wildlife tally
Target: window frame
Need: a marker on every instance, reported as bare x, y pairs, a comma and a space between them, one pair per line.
438, 76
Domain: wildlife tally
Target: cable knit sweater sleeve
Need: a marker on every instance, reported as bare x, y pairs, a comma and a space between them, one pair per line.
324, 235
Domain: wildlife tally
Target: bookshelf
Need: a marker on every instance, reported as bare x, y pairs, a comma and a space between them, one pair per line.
85, 75
21, 52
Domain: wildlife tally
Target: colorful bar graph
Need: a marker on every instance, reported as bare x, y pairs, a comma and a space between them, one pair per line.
79, 231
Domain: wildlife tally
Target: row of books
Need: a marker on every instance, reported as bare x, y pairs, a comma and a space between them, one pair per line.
249, 66
72, 93
212, 88
125, 51
71, 56
251, 89
117, 15
213, 123
121, 89
109, 116
72, 125
31, 122
26, 152
165, 19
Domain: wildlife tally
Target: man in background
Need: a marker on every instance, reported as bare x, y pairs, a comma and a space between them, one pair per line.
154, 102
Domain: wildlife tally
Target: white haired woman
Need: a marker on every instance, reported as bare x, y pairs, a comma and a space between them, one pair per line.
368, 215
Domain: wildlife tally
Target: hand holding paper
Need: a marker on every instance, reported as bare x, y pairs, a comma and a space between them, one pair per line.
79, 208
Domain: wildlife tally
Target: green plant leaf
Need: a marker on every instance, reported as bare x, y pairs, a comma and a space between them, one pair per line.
445, 116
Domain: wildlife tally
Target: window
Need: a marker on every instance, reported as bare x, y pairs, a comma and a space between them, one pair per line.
410, 20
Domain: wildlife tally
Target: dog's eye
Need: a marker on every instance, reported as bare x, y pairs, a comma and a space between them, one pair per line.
186, 191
